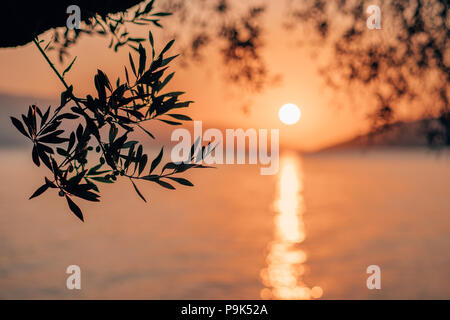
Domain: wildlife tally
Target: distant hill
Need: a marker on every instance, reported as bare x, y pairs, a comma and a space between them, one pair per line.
399, 134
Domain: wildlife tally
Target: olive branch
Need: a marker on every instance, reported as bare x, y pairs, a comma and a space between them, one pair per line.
105, 122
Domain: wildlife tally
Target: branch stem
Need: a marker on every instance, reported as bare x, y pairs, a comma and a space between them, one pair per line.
51, 64
61, 78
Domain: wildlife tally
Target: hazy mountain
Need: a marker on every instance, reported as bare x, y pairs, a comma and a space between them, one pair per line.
400, 134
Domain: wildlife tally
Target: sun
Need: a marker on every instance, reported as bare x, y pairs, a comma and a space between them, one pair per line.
289, 113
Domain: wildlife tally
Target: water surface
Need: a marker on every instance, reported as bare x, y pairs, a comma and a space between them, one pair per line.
309, 232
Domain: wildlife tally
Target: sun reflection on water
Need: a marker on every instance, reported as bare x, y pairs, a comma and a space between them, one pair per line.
283, 275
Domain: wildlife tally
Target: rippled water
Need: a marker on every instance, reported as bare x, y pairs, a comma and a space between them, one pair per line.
309, 232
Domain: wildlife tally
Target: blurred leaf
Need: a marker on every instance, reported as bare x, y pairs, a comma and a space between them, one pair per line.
102, 179
19, 126
165, 184
51, 127
157, 160
172, 123
150, 78
100, 86
69, 67
194, 147
119, 142
71, 141
166, 61
112, 133
132, 64
35, 156
104, 79
45, 117
148, 7
165, 81
152, 43
134, 113
128, 144
126, 75
180, 117
75, 180
94, 169
62, 152
137, 40
67, 116
65, 97
129, 157
162, 14
151, 177
53, 138
168, 46
142, 163
182, 181
80, 192
156, 23
142, 58
147, 132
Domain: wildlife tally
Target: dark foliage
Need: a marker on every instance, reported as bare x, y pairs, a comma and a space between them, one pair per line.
109, 25
233, 29
25, 20
409, 65
404, 65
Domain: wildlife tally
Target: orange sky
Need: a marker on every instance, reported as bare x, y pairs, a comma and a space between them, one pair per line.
217, 103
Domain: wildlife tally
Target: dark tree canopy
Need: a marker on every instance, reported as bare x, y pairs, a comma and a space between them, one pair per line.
24, 21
